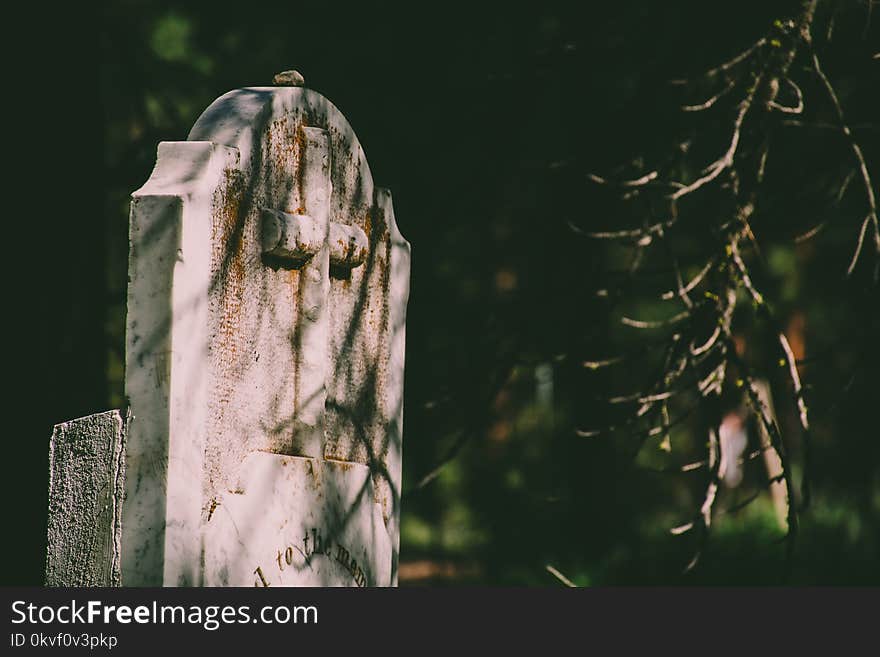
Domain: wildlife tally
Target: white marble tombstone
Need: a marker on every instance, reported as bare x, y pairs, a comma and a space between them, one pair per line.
265, 344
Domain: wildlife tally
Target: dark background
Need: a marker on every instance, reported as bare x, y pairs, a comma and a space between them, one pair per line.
483, 119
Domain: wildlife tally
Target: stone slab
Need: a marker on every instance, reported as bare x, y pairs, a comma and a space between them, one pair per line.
86, 476
298, 521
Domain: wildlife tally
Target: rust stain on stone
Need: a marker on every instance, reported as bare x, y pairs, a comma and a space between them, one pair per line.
228, 268
297, 289
229, 257
299, 141
212, 508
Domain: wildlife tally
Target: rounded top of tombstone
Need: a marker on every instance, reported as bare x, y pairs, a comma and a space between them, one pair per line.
289, 78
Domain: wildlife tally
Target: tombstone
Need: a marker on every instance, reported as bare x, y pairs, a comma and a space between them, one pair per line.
265, 334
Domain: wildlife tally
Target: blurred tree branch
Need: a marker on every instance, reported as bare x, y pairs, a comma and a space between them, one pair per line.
758, 89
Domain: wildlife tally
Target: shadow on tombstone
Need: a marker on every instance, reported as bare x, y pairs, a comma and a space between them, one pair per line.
265, 340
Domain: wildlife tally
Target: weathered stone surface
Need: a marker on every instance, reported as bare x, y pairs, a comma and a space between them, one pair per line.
86, 475
298, 521
173, 218
295, 238
235, 349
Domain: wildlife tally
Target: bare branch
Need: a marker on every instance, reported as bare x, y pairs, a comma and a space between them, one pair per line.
562, 578
640, 324
598, 364
706, 346
698, 465
729, 64
711, 101
843, 186
646, 433
863, 169
785, 109
712, 488
638, 182
725, 161
776, 442
713, 381
642, 399
644, 233
810, 234
788, 359
859, 243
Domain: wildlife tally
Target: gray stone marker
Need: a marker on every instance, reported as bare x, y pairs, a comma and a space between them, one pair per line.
86, 474
265, 335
